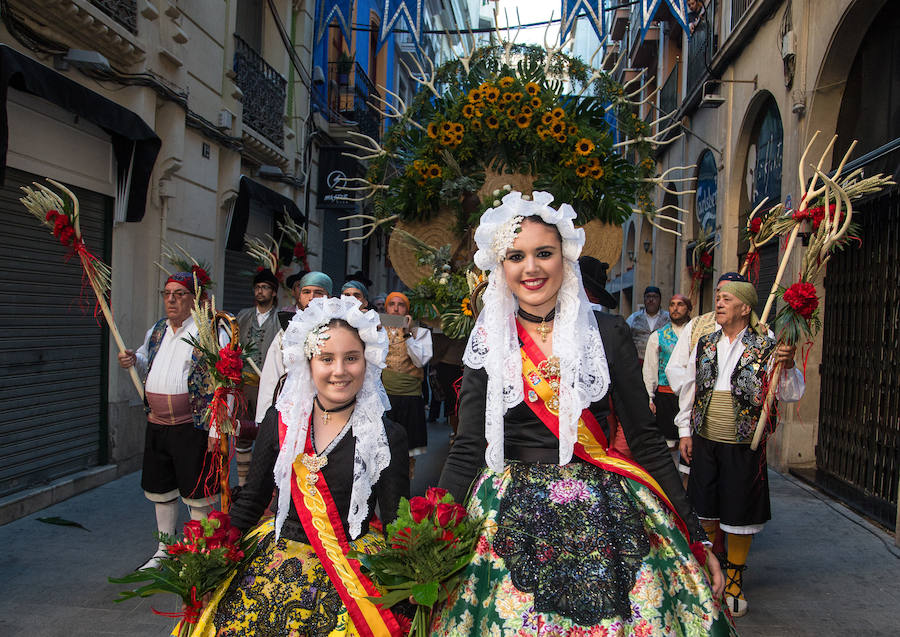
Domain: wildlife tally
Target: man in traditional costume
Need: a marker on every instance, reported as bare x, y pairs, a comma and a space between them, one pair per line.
695, 328
358, 291
410, 350
720, 403
312, 285
177, 456
663, 401
258, 326
645, 321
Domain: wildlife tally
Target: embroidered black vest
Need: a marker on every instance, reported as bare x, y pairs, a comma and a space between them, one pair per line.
747, 381
199, 392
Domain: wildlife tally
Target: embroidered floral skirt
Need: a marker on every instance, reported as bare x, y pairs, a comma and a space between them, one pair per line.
284, 591
576, 550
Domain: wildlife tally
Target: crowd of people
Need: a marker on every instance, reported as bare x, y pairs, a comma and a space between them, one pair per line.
610, 457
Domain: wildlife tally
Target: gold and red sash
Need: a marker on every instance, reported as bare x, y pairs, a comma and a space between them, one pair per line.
322, 523
591, 445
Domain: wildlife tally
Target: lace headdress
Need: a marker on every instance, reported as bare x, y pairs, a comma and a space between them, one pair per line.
494, 344
304, 335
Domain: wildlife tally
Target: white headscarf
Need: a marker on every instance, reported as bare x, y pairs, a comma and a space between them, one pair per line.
295, 403
494, 345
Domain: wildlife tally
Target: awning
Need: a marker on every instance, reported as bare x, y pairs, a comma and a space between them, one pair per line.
253, 191
135, 145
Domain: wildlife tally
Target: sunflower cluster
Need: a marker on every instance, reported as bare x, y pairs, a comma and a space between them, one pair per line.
493, 117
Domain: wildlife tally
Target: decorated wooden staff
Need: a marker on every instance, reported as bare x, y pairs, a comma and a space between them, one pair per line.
62, 215
226, 368
828, 210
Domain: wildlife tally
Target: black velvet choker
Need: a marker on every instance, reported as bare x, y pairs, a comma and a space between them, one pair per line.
533, 318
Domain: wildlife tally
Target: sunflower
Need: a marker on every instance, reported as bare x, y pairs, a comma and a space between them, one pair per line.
457, 128
506, 98
432, 130
475, 95
582, 171
477, 112
446, 127
523, 120
484, 86
557, 128
506, 81
517, 97
597, 172
492, 121
557, 113
573, 130
434, 171
561, 138
546, 119
532, 88
464, 307
491, 93
595, 162
542, 132
458, 137
511, 112
536, 102
448, 140
468, 111
584, 146
527, 110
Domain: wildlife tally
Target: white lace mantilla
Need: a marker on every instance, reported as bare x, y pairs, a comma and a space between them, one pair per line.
494, 345
295, 404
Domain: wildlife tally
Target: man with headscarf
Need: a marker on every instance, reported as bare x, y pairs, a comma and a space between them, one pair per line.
646, 321
357, 290
312, 285
720, 403
663, 401
177, 446
410, 350
690, 334
258, 326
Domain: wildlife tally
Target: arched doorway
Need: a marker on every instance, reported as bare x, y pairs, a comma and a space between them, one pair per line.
762, 182
858, 450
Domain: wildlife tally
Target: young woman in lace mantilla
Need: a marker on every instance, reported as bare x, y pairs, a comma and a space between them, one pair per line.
579, 540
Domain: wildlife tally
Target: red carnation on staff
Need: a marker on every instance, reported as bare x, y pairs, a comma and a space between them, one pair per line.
755, 225
802, 299
706, 259
230, 364
299, 251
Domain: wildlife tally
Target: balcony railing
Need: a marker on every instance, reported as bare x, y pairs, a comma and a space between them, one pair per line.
349, 89
264, 91
122, 11
700, 51
668, 97
738, 9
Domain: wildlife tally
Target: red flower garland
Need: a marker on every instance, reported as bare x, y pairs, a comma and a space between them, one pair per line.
802, 299
755, 225
203, 279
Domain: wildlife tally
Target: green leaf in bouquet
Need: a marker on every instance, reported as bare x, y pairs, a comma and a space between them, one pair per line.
393, 597
425, 594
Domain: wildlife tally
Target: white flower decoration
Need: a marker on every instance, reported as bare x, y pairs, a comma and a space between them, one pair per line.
313, 344
498, 227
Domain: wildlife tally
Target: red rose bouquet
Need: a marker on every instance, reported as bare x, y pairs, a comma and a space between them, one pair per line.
798, 320
428, 546
205, 556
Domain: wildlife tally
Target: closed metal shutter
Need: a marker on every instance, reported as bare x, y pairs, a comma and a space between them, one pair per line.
238, 290
53, 351
768, 268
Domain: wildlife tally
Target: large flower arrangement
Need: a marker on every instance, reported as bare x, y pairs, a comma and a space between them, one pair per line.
194, 566
496, 115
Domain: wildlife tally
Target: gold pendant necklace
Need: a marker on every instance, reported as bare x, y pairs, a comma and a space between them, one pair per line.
543, 329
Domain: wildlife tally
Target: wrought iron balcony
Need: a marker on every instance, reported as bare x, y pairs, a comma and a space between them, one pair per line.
700, 52
264, 91
122, 11
349, 89
668, 94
